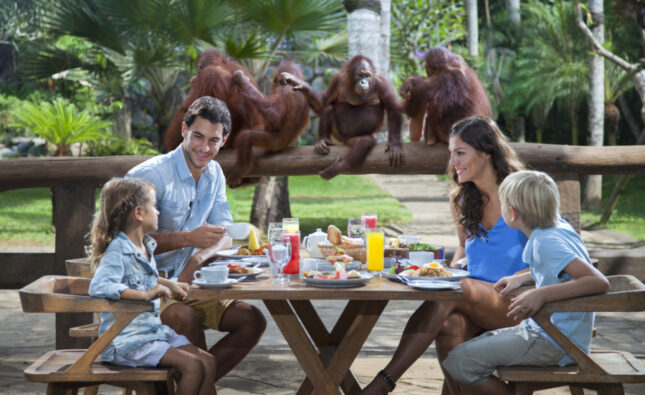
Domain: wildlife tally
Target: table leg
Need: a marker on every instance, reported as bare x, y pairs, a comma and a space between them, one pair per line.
339, 349
301, 346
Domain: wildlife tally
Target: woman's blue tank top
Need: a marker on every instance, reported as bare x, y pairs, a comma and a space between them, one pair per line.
497, 254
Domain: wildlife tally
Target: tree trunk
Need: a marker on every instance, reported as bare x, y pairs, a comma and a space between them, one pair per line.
363, 29
121, 126
513, 10
473, 31
593, 186
384, 61
270, 202
612, 119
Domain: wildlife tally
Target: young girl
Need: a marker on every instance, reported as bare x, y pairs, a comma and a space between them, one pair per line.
125, 269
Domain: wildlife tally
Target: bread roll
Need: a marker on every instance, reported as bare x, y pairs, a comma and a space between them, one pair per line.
334, 234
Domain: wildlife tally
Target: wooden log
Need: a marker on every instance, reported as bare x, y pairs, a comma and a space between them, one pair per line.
298, 161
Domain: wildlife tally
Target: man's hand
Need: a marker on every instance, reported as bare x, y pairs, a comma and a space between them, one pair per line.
206, 235
179, 290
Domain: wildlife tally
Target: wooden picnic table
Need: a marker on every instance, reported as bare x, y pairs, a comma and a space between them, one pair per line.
325, 357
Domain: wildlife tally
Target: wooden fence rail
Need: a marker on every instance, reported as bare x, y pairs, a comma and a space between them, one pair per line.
74, 179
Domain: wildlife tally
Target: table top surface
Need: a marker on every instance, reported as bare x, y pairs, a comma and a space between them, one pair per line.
378, 288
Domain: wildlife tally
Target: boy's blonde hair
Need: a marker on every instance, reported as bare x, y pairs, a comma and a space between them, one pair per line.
118, 198
534, 195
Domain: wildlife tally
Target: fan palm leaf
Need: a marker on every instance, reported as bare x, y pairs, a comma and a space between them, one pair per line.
60, 123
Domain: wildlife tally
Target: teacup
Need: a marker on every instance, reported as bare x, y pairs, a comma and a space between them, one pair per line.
212, 274
420, 257
239, 231
309, 264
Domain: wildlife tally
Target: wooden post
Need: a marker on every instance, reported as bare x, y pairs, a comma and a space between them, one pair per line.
73, 211
569, 188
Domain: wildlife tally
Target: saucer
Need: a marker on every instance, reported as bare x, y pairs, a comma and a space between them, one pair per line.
225, 284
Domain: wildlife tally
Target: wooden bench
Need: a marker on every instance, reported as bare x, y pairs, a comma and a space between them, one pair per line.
604, 371
65, 371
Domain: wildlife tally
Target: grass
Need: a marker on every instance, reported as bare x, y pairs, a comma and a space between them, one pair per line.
629, 215
26, 214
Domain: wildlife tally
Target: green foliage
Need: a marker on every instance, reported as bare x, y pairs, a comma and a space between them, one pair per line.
26, 217
629, 215
60, 123
551, 65
418, 25
112, 146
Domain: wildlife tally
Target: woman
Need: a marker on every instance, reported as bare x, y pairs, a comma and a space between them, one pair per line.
480, 158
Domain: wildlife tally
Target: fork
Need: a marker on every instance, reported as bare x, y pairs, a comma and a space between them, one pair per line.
402, 279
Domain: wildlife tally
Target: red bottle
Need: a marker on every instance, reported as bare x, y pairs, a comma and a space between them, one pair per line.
293, 267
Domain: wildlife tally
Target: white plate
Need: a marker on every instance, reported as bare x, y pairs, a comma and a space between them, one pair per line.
433, 285
457, 274
352, 282
326, 266
255, 259
255, 272
231, 254
225, 284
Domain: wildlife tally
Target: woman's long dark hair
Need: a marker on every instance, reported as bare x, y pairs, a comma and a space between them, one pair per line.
483, 134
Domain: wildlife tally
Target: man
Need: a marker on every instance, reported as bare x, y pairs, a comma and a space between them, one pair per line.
193, 210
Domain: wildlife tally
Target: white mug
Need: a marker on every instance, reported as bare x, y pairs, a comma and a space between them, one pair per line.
212, 274
238, 231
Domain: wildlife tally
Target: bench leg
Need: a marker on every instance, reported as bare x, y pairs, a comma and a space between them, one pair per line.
611, 389
575, 390
93, 390
61, 389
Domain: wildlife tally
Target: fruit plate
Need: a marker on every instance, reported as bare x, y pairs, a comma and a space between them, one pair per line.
349, 283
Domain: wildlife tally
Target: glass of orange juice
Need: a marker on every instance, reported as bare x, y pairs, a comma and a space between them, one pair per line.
291, 225
374, 239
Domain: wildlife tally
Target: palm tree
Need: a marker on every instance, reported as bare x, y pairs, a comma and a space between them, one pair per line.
551, 66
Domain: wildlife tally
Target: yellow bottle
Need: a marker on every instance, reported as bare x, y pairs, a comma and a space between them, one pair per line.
253, 241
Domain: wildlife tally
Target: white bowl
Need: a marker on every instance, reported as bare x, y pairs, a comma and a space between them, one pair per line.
420, 257
409, 239
239, 231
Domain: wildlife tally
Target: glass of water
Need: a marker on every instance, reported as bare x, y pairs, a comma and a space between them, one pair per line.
280, 254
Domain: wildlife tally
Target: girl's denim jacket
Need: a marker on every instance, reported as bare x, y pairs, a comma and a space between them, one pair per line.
124, 266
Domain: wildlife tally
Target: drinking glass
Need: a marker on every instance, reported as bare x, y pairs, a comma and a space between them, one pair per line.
375, 242
274, 234
369, 220
280, 253
291, 225
355, 228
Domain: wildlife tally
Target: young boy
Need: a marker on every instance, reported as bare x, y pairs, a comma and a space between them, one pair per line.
561, 268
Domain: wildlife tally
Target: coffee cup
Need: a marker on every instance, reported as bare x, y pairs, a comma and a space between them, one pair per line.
309, 264
212, 274
420, 257
239, 231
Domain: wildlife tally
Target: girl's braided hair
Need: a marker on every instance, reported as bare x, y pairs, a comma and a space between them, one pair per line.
118, 198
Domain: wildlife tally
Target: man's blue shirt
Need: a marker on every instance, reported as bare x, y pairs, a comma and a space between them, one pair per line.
182, 205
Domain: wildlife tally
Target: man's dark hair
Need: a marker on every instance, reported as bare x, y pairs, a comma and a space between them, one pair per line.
211, 109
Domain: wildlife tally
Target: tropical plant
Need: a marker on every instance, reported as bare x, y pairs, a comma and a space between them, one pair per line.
551, 66
111, 146
60, 123
418, 25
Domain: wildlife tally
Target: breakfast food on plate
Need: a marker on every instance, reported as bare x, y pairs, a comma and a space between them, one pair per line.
234, 268
339, 273
338, 255
334, 235
433, 269
246, 250
253, 240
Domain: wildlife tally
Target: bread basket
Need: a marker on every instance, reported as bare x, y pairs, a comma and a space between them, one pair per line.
357, 252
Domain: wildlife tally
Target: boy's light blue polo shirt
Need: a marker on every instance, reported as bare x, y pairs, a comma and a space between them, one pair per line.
548, 252
182, 205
